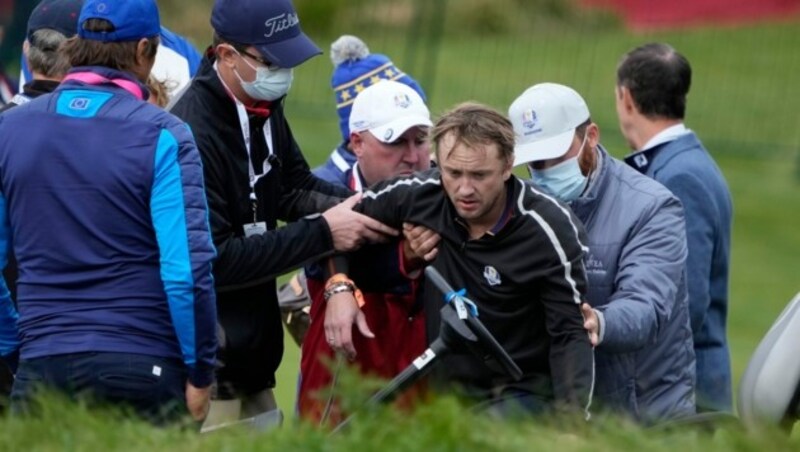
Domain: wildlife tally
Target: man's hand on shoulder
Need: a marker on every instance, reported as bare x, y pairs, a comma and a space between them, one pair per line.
350, 229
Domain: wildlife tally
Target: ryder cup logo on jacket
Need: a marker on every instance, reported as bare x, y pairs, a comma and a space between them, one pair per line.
279, 23
491, 275
530, 121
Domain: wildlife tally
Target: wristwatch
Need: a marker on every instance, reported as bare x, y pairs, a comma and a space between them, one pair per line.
339, 283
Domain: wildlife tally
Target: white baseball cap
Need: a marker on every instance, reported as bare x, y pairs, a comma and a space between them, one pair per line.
387, 109
544, 118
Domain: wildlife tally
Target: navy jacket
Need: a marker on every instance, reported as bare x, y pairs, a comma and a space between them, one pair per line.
688, 170
101, 197
337, 168
636, 269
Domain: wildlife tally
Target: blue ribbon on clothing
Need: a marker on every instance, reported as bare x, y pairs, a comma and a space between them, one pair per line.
459, 298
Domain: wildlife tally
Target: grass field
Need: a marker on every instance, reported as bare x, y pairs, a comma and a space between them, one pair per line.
742, 104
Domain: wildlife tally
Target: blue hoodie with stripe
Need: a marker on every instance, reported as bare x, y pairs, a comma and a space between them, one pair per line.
102, 199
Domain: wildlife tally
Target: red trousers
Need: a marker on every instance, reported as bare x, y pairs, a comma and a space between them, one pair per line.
399, 328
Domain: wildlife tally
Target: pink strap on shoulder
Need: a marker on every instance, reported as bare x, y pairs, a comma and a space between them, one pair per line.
95, 79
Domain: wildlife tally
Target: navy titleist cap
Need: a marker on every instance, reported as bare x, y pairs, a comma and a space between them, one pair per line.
132, 19
58, 15
271, 26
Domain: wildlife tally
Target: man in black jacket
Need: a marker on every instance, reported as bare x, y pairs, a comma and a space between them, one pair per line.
518, 254
255, 175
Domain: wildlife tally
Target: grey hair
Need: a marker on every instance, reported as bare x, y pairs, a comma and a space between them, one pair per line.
44, 56
348, 48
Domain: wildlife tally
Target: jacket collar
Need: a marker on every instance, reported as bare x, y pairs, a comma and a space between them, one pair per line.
356, 181
342, 158
665, 136
648, 161
99, 75
598, 180
36, 88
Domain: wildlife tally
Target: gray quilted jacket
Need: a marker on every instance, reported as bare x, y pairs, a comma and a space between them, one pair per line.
636, 268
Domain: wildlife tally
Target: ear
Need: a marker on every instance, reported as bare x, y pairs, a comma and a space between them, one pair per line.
625, 99
357, 144
592, 135
141, 51
144, 63
509, 168
225, 55
587, 160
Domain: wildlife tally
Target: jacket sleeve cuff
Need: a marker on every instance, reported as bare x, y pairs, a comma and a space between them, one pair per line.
318, 221
401, 255
201, 376
601, 324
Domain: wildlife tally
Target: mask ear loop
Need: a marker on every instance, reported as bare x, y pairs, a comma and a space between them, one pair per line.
241, 57
530, 167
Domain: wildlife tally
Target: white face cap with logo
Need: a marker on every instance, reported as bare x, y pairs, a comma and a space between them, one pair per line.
387, 109
545, 117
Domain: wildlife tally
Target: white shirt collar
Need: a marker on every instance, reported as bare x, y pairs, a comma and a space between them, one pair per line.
355, 177
665, 136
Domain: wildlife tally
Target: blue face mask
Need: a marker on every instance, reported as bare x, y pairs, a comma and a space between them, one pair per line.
564, 181
270, 84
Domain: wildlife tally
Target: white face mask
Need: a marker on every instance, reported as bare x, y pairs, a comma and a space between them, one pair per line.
269, 84
565, 181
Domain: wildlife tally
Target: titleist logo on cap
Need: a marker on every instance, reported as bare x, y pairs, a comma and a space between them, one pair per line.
279, 23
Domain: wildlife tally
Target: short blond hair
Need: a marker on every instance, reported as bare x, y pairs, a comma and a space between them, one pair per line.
474, 124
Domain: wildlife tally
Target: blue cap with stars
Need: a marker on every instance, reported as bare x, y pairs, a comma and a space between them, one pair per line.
352, 76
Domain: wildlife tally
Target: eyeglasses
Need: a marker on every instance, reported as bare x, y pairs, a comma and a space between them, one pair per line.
257, 59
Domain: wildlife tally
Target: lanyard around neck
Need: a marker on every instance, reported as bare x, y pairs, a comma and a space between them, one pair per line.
244, 122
